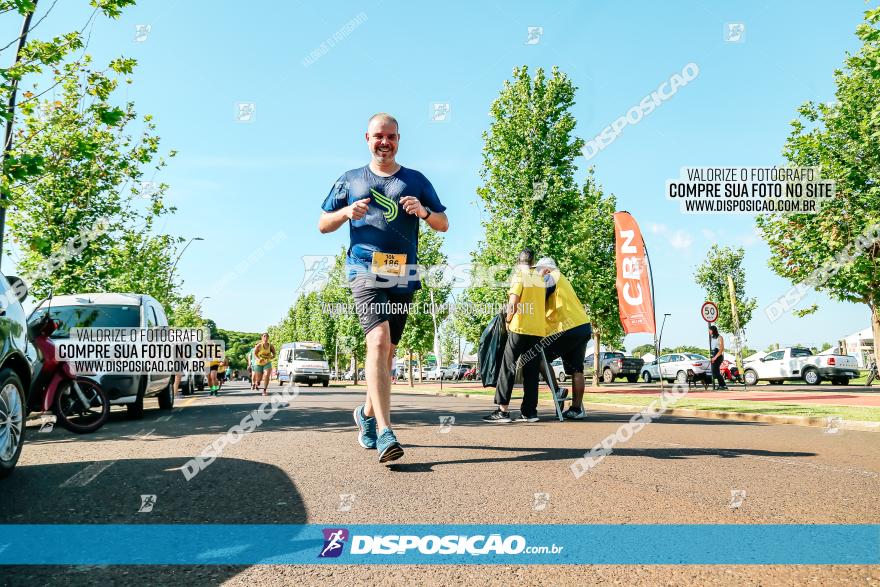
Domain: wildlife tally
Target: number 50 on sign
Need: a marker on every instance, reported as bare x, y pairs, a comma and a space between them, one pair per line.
709, 311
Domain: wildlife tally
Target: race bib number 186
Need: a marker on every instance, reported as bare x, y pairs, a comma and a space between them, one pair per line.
390, 264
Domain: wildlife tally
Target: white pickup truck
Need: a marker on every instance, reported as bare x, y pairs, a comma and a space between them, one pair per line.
799, 363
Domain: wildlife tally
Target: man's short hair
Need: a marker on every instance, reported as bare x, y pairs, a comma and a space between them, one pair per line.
383, 116
526, 257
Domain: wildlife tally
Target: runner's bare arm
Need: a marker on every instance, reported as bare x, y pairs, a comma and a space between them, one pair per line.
330, 221
436, 220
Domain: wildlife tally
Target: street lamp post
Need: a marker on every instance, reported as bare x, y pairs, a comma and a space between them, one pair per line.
171, 273
657, 350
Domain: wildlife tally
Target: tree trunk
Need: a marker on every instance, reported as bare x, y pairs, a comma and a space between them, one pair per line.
420, 367
875, 328
409, 366
354, 369
596, 339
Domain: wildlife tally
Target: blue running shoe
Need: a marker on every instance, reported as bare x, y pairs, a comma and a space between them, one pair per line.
366, 428
388, 447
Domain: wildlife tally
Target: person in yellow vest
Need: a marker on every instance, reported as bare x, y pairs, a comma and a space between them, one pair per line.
525, 329
568, 332
264, 352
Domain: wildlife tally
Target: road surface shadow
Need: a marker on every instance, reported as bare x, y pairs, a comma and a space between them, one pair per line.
216, 419
571, 454
229, 491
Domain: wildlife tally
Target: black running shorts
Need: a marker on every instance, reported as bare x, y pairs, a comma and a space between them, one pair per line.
375, 305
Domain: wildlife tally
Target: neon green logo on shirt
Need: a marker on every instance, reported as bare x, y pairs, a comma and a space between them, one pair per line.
387, 204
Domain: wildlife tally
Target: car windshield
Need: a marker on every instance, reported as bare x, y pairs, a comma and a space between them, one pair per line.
697, 357
308, 355
614, 356
91, 316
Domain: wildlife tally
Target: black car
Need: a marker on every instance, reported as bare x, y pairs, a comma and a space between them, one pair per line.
15, 372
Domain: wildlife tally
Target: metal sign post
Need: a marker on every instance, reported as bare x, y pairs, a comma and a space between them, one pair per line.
709, 312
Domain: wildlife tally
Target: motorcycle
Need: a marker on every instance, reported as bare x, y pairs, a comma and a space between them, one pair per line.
470, 374
730, 372
872, 373
79, 404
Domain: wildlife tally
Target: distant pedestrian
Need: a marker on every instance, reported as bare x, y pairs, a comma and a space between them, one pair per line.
213, 382
716, 350
252, 376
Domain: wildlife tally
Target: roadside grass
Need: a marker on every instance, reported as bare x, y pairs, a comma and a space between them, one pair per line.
853, 413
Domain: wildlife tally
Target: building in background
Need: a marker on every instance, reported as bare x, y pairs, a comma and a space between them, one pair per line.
859, 344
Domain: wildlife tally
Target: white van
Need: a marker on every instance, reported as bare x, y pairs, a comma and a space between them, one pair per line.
303, 362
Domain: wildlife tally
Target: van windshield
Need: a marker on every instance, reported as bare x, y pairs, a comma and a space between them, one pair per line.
308, 355
92, 316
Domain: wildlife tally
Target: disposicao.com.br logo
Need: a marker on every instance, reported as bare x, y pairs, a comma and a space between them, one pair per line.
397, 544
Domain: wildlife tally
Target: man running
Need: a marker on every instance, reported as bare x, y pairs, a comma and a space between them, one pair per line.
383, 203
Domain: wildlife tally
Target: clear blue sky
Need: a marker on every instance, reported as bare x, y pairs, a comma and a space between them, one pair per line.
236, 184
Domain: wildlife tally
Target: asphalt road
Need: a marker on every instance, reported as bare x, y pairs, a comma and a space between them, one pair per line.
294, 468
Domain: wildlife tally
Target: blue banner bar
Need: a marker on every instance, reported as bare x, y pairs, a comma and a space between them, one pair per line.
183, 544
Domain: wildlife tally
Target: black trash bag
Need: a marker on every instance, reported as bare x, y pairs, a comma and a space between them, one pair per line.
491, 350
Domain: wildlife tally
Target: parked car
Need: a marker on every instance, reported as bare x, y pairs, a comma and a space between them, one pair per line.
675, 366
614, 364
15, 372
793, 363
456, 371
558, 370
116, 310
190, 382
650, 371
435, 373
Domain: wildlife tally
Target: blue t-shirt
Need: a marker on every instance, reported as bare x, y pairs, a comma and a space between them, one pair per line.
387, 227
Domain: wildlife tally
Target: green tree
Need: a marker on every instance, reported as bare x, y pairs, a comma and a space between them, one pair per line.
690, 349
531, 198
643, 349
448, 343
712, 274
346, 327
593, 272
86, 223
841, 137
237, 346
186, 313
421, 334
31, 59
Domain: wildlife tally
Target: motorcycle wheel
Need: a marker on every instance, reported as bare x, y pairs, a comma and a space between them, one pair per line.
73, 415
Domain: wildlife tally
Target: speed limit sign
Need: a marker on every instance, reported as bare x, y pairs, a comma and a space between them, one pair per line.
709, 312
